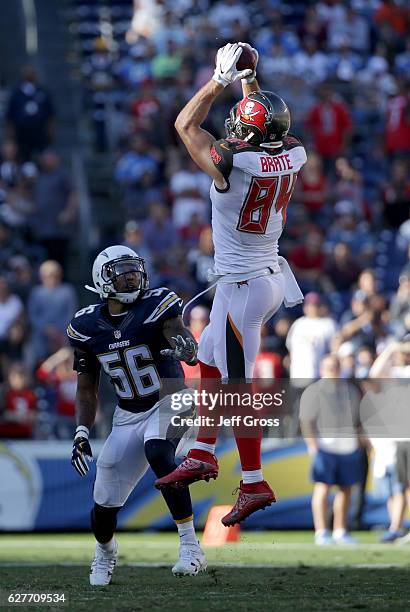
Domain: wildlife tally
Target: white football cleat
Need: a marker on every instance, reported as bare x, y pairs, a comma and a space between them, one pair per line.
191, 561
102, 566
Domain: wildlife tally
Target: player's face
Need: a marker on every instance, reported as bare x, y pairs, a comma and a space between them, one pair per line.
125, 276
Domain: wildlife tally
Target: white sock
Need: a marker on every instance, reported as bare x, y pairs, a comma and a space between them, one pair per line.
320, 532
186, 532
252, 476
339, 533
108, 546
203, 446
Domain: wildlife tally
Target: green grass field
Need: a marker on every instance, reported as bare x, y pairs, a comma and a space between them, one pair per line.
265, 571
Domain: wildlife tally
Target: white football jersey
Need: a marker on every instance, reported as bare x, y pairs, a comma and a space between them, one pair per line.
248, 216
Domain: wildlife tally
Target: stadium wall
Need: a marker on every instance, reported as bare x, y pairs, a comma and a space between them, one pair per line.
41, 491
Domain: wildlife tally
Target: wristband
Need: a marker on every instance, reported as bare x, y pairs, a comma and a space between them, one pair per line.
82, 432
220, 80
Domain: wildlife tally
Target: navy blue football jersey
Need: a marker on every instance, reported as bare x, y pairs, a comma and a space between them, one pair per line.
128, 347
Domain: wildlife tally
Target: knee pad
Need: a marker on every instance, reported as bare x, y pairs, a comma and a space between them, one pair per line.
160, 455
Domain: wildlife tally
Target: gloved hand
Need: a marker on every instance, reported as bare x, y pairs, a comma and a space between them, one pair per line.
185, 350
252, 76
82, 452
225, 71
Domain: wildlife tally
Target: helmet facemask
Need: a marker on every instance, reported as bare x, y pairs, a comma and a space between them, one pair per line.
124, 279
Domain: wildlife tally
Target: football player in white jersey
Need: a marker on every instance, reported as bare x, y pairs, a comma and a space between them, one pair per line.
254, 171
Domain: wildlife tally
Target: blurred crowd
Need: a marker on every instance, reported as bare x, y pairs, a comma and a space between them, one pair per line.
344, 69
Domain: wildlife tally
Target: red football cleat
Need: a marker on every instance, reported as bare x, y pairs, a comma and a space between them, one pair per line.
252, 497
190, 470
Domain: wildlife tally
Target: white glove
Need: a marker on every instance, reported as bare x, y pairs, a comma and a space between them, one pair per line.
252, 76
225, 71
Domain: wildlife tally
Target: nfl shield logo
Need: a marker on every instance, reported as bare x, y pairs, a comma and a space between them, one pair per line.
117, 334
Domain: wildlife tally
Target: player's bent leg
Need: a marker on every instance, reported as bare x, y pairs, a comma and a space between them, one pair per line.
121, 464
104, 522
251, 304
161, 457
200, 463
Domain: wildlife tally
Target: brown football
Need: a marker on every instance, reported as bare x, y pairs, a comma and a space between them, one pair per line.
246, 60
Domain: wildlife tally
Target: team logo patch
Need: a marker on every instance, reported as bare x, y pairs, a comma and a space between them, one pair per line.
117, 334
253, 113
216, 158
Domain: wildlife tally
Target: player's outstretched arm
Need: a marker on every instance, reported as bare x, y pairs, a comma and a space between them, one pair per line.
86, 408
249, 83
184, 346
188, 123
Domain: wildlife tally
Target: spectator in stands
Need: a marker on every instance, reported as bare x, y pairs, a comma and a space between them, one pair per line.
21, 277
396, 194
158, 230
400, 306
201, 261
365, 357
50, 308
57, 372
310, 63
9, 165
132, 168
370, 327
19, 206
347, 228
11, 316
330, 125
309, 340
20, 405
190, 190
348, 185
308, 262
30, 115
342, 269
134, 239
329, 409
55, 207
312, 187
397, 121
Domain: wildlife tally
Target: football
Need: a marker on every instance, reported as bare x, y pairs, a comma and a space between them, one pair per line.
246, 60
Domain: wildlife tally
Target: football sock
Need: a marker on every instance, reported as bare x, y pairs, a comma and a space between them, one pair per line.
108, 546
249, 451
203, 446
103, 523
207, 434
250, 476
161, 457
186, 531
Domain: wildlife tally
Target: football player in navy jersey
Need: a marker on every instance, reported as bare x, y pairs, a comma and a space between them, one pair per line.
136, 335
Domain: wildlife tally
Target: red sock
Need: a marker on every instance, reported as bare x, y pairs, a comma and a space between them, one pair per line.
206, 433
249, 450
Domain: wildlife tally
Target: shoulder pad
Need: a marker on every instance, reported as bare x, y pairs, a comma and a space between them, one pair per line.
80, 326
290, 142
222, 152
165, 304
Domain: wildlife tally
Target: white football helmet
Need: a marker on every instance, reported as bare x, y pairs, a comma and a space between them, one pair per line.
119, 273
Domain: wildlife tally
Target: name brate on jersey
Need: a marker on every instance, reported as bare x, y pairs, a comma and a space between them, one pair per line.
116, 345
275, 163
